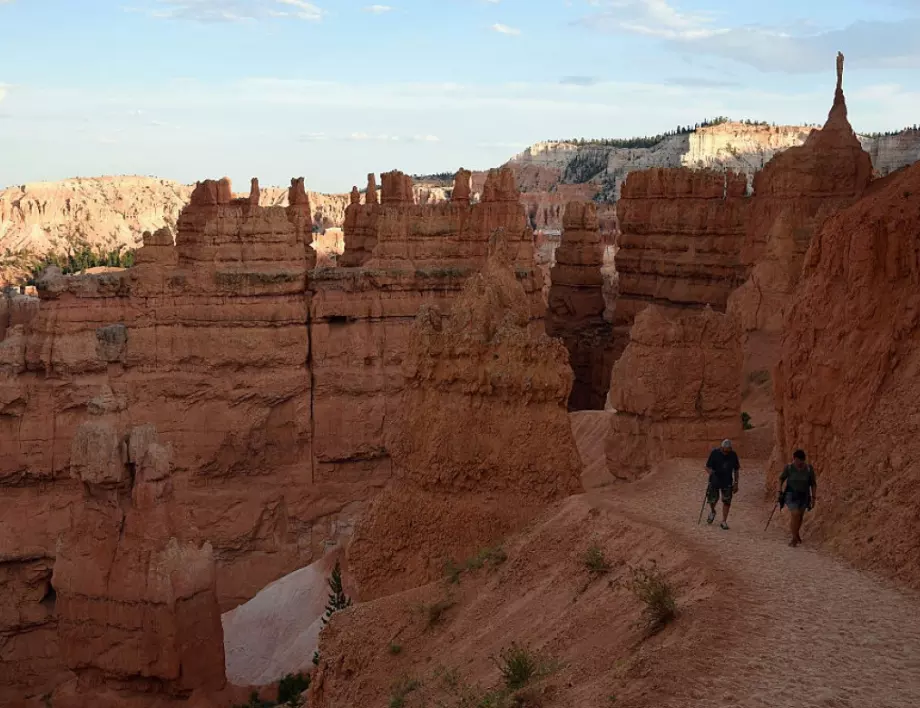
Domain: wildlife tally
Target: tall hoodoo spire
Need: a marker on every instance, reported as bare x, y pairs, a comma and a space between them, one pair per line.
839, 71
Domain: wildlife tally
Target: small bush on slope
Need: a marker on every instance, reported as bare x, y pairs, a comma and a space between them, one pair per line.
656, 593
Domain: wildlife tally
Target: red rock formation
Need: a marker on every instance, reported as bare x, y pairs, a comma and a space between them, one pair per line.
448, 233
360, 229
134, 605
396, 188
272, 393
461, 190
793, 195
681, 232
576, 307
846, 386
361, 319
483, 441
676, 389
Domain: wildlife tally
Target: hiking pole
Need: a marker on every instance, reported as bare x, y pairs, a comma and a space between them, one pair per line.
778, 505
700, 520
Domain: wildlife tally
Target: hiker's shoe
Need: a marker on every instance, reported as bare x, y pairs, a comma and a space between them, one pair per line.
723, 526
711, 517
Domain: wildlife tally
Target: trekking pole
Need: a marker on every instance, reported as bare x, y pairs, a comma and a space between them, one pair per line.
778, 505
700, 520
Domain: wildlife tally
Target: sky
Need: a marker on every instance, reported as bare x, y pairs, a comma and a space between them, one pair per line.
334, 89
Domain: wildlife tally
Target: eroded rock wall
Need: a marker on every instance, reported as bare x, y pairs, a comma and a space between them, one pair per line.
681, 235
270, 387
482, 442
793, 195
576, 306
847, 381
676, 389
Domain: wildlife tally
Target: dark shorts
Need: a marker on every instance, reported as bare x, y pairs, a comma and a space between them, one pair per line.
796, 501
712, 494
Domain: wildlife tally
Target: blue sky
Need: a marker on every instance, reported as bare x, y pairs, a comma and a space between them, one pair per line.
333, 89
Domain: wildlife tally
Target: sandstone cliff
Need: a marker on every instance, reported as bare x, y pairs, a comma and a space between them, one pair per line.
577, 306
846, 385
551, 173
680, 242
44, 217
793, 196
482, 442
271, 387
676, 389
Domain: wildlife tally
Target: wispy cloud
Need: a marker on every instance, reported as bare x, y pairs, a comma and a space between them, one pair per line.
232, 10
579, 80
794, 48
505, 29
377, 9
3, 88
701, 81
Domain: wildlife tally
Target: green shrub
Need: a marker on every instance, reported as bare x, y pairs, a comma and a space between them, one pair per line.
518, 665
338, 600
291, 686
746, 421
395, 649
595, 561
656, 593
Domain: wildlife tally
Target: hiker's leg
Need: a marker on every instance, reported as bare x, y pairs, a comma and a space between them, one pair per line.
795, 524
726, 503
712, 498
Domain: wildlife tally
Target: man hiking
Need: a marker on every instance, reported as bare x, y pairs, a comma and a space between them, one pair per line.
799, 492
723, 467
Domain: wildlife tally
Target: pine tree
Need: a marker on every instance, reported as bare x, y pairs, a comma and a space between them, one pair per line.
338, 600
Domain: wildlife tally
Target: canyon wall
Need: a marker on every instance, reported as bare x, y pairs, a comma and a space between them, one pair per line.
482, 441
847, 382
109, 212
680, 242
223, 378
676, 389
577, 305
793, 196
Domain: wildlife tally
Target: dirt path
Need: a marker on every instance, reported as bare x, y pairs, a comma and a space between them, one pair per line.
809, 631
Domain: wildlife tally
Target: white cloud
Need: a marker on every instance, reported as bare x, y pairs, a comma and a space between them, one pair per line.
232, 10
505, 29
797, 48
2, 91
377, 9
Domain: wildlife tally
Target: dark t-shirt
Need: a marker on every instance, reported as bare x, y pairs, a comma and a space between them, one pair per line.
722, 466
799, 481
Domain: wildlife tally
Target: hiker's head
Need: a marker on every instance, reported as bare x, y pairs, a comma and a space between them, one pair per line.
726, 446
798, 457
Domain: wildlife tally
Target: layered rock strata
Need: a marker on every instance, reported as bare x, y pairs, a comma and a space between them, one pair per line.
482, 441
846, 384
793, 195
676, 389
576, 306
271, 387
681, 235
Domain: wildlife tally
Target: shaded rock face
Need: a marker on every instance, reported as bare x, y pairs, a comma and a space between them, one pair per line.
681, 234
577, 305
846, 385
676, 389
793, 195
483, 441
223, 387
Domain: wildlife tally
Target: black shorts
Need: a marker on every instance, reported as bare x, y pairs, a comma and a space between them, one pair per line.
712, 494
797, 501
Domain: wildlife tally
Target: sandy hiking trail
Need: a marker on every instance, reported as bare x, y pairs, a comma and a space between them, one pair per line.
805, 629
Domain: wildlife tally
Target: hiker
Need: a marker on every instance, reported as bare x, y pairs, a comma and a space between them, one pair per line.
723, 467
799, 492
